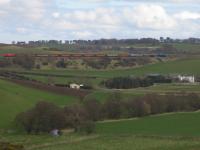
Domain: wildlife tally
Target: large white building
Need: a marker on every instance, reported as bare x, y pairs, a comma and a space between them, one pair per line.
190, 79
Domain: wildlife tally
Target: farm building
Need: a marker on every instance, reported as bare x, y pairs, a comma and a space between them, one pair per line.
75, 86
190, 79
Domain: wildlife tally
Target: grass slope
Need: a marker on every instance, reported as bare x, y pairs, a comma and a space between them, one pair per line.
177, 124
15, 99
128, 143
186, 47
178, 131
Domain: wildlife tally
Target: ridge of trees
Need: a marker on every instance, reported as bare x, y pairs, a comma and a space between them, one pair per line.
45, 117
134, 82
107, 41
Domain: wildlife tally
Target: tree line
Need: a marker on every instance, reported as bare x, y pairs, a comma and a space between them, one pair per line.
45, 116
134, 82
107, 41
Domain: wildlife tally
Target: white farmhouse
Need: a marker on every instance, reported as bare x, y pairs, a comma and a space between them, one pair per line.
75, 86
190, 79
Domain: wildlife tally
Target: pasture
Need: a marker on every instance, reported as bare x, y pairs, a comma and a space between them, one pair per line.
25, 50
15, 99
178, 131
186, 47
175, 131
174, 124
108, 142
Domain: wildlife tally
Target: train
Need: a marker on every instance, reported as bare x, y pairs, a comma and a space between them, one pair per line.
87, 55
8, 55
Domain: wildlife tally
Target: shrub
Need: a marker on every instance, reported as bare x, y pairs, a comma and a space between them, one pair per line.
8, 146
61, 64
26, 61
44, 117
87, 127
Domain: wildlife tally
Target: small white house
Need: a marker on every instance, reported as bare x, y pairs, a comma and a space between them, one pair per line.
190, 79
75, 86
55, 132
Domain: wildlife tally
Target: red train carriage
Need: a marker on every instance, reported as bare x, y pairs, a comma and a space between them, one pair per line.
8, 55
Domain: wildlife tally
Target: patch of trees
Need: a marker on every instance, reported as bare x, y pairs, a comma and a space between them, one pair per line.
98, 64
25, 61
127, 82
133, 62
150, 104
159, 79
53, 43
133, 82
45, 117
87, 42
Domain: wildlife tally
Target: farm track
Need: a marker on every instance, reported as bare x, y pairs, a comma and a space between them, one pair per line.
46, 145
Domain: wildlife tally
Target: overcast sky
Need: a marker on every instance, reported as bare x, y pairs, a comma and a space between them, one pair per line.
94, 19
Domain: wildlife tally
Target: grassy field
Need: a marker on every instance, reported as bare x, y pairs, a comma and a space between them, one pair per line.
126, 94
175, 124
17, 49
94, 77
15, 99
186, 47
128, 143
175, 131
178, 131
105, 142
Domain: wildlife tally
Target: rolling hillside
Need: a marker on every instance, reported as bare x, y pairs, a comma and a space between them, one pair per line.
15, 99
178, 131
174, 124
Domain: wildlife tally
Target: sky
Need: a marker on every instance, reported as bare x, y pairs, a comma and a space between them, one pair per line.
24, 20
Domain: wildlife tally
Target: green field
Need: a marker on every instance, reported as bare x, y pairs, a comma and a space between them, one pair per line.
17, 49
110, 142
175, 131
129, 143
186, 47
175, 124
178, 131
94, 77
15, 99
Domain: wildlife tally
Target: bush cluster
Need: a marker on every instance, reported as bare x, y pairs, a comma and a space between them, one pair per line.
25, 61
127, 83
98, 63
8, 146
45, 117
